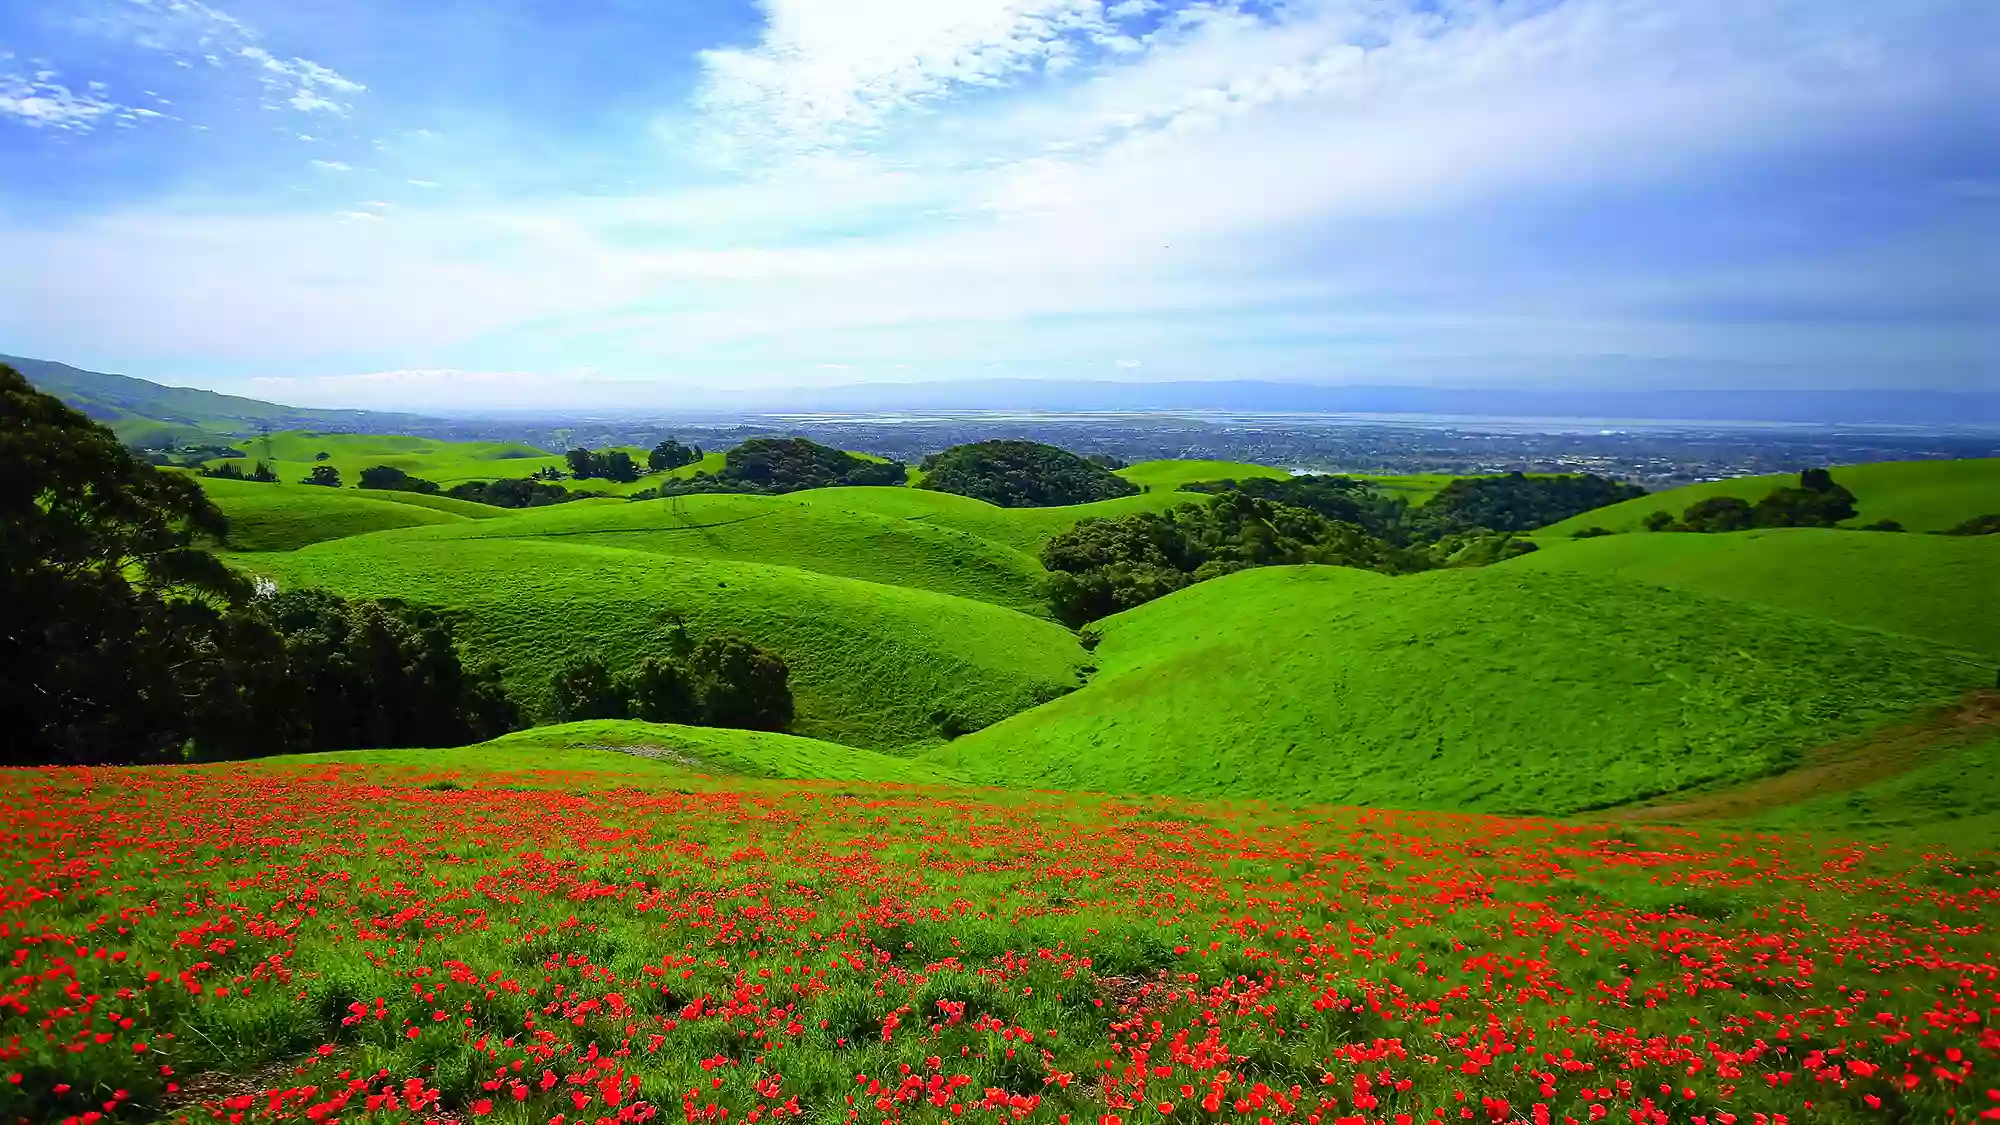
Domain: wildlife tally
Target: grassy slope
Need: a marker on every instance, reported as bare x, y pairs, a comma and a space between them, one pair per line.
1023, 529
1938, 587
281, 517
1488, 689
870, 663
664, 749
1165, 476
293, 455
787, 531
1922, 495
1953, 800
468, 508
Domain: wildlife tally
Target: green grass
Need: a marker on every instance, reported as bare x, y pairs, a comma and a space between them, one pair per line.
1952, 800
1023, 529
788, 531
293, 454
663, 750
1921, 495
1165, 476
1416, 488
1495, 689
282, 517
870, 663
1944, 588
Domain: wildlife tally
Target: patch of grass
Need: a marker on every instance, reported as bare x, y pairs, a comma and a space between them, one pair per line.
283, 517
1952, 800
1165, 476
1022, 529
1938, 587
870, 663
788, 531
1920, 495
1490, 689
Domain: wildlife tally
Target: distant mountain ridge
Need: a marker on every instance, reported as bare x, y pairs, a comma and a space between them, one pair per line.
1832, 407
147, 413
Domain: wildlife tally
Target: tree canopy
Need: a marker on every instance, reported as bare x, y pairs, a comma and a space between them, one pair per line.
613, 465
724, 681
778, 465
391, 479
671, 454
1022, 474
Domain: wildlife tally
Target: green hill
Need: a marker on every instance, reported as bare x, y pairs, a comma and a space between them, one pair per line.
630, 747
872, 665
792, 530
283, 517
152, 415
1921, 495
1938, 587
1165, 476
1023, 529
1494, 689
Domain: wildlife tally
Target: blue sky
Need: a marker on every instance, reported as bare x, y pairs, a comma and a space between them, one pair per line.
545, 202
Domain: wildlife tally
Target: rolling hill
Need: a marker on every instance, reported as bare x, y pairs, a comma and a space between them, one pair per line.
153, 415
1165, 476
1921, 495
1023, 529
1943, 588
789, 530
281, 517
1497, 690
872, 665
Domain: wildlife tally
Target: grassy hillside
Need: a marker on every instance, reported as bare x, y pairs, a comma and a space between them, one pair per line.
1165, 476
1488, 689
1952, 799
871, 664
623, 746
1921, 495
282, 517
787, 531
1023, 529
1939, 587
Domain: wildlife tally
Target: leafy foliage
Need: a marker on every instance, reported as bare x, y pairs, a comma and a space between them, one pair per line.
1988, 524
1511, 503
1103, 566
671, 454
518, 493
612, 465
388, 478
773, 466
724, 681
1817, 501
261, 473
1022, 474
325, 476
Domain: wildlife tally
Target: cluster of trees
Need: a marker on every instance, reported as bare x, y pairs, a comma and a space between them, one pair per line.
326, 476
122, 641
780, 465
1478, 506
515, 493
1103, 566
391, 479
1988, 524
1816, 501
724, 681
1022, 474
262, 473
671, 454
612, 465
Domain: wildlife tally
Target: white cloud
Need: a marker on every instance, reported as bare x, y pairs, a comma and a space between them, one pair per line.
332, 165
424, 183
1126, 363
39, 102
184, 28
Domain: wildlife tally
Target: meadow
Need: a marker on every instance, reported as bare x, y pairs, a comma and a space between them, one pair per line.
585, 936
1921, 495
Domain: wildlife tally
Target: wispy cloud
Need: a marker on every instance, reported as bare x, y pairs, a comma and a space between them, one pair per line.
38, 101
332, 165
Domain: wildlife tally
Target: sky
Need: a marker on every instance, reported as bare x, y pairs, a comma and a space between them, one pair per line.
429, 203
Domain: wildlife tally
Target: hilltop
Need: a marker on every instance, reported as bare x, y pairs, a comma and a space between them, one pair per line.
1920, 495
1490, 689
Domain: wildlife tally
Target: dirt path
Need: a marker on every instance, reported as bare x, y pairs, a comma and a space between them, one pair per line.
1836, 768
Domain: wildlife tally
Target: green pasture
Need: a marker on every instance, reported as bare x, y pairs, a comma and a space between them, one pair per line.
1166, 476
1921, 495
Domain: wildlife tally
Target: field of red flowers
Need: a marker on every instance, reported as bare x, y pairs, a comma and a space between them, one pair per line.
368, 943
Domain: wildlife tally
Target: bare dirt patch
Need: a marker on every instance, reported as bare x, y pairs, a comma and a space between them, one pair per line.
1836, 768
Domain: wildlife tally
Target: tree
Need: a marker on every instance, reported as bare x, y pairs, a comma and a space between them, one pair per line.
322, 456
1816, 502
671, 454
1720, 513
1659, 521
584, 688
391, 479
582, 463
1022, 474
515, 493
325, 475
740, 685
264, 474
1988, 524
663, 693
225, 471
617, 465
104, 599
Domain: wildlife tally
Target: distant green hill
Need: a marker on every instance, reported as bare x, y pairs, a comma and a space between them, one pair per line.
154, 416
1023, 529
1944, 588
872, 665
1494, 689
1165, 476
1921, 495
282, 517
795, 530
